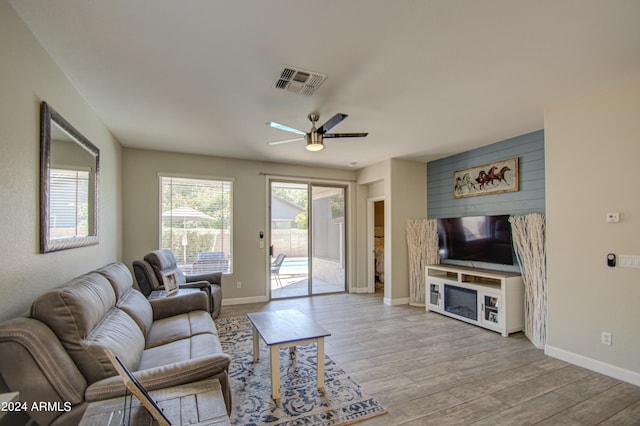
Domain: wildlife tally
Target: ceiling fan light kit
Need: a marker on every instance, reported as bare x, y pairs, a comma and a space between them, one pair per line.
314, 141
315, 136
315, 146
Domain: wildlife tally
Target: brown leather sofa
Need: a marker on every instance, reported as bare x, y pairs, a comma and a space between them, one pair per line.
149, 272
57, 354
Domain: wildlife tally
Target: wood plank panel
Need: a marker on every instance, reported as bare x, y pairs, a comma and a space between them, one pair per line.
530, 198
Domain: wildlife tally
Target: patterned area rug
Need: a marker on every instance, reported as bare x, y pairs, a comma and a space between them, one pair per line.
342, 402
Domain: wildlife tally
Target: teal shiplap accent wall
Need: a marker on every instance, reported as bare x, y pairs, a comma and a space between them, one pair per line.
530, 198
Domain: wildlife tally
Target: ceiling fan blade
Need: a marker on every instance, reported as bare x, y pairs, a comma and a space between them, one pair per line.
332, 122
285, 141
285, 128
344, 135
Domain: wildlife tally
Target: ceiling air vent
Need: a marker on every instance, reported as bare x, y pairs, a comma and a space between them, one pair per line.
298, 80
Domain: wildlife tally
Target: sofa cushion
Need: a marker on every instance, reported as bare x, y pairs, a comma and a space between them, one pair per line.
201, 345
180, 327
74, 310
83, 316
117, 332
127, 298
138, 308
119, 277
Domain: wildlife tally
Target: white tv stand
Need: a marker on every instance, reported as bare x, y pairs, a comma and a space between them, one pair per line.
489, 299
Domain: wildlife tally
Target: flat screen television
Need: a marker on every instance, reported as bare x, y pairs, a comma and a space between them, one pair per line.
467, 240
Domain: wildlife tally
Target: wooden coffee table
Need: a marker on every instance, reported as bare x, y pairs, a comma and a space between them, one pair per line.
286, 328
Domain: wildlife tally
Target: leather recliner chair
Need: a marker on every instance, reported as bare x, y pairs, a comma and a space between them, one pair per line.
149, 272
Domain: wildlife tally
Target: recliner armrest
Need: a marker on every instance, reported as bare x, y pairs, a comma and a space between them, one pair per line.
179, 304
199, 285
202, 285
213, 278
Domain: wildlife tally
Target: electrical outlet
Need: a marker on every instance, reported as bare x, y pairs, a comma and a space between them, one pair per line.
238, 284
605, 338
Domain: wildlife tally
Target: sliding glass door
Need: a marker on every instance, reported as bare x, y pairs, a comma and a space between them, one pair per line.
308, 239
328, 239
289, 239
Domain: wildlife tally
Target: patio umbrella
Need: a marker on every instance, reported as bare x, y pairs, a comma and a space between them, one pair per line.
185, 213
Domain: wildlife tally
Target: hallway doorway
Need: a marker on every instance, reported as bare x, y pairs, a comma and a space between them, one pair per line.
376, 244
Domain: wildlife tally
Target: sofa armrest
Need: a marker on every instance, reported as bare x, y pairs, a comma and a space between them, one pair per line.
179, 304
213, 278
34, 363
162, 377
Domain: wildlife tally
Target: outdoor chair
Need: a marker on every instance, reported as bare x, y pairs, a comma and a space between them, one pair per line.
215, 261
275, 267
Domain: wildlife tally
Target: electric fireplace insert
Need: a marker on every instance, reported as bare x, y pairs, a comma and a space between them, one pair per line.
461, 301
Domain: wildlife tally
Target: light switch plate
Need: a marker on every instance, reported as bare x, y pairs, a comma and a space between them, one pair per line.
613, 217
629, 261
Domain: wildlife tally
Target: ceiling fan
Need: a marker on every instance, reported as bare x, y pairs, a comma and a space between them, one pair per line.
315, 136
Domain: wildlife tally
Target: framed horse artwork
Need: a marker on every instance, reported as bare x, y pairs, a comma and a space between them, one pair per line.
492, 178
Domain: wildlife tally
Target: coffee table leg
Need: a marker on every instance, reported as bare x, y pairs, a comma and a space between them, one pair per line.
256, 345
275, 372
320, 362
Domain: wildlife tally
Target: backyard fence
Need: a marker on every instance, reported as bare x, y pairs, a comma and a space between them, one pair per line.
292, 242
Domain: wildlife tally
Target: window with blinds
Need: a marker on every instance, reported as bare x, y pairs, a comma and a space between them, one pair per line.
69, 206
196, 223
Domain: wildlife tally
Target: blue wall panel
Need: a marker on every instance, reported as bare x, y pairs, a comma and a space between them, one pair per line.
530, 198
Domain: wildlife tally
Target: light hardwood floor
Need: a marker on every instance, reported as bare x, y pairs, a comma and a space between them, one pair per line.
427, 369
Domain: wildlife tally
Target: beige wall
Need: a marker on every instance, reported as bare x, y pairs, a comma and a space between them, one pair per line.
407, 200
403, 184
371, 183
592, 147
141, 203
28, 76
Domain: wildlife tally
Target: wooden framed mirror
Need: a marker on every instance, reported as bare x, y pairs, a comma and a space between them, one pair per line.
69, 170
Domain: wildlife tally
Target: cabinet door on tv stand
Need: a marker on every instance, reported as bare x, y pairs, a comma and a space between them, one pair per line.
434, 296
491, 311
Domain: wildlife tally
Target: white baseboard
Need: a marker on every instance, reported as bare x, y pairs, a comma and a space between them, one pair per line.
594, 365
394, 302
244, 300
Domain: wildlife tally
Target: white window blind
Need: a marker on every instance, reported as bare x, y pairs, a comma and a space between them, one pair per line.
196, 223
68, 211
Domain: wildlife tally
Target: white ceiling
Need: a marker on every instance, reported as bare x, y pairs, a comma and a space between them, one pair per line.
425, 78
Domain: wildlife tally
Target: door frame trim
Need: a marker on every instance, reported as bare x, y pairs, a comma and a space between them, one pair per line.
349, 200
